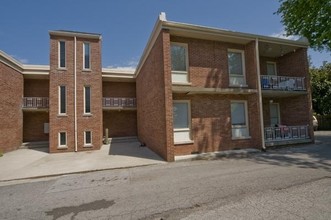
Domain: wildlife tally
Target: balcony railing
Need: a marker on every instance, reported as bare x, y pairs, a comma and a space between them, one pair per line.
283, 83
35, 102
117, 102
286, 133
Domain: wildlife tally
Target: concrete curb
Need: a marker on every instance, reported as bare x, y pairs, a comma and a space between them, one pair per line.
75, 172
218, 154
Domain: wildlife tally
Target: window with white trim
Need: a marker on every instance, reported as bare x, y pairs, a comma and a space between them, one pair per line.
62, 100
239, 119
62, 139
87, 138
271, 68
236, 67
181, 119
86, 55
179, 63
62, 54
87, 100
274, 114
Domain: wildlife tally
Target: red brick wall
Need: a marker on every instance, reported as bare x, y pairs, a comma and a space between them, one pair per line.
120, 123
65, 77
36, 87
208, 62
33, 126
211, 123
119, 89
154, 99
11, 116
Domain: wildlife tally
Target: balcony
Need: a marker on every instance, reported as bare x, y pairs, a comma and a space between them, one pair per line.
119, 103
284, 135
35, 103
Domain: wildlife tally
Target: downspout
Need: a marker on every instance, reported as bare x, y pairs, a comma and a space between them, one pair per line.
75, 89
259, 91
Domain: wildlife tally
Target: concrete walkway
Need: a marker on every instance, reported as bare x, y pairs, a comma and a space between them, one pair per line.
33, 163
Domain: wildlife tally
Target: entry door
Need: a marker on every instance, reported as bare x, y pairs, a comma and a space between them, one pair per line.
274, 114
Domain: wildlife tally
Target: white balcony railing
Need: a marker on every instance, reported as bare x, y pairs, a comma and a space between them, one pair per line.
119, 102
283, 83
35, 102
286, 133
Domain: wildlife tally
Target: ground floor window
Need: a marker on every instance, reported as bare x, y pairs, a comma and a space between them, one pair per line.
239, 120
182, 118
62, 139
274, 114
87, 138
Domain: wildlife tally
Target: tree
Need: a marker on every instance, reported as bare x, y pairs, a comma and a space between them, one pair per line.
308, 18
321, 88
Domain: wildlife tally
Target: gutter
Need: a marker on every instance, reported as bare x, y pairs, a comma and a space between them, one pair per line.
259, 92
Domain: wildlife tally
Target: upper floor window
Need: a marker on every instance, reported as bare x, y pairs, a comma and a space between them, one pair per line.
179, 62
239, 120
236, 65
62, 100
87, 61
271, 68
87, 100
62, 54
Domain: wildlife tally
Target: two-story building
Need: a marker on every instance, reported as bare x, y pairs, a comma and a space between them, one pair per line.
196, 89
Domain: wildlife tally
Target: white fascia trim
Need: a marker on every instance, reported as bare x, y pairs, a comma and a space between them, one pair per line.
76, 34
227, 33
10, 61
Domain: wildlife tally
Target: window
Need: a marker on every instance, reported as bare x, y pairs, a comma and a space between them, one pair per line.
179, 62
87, 138
62, 100
239, 119
181, 117
86, 55
62, 54
274, 114
236, 65
62, 139
271, 68
87, 100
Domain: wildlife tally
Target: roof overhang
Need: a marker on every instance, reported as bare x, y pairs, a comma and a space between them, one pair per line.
118, 75
65, 33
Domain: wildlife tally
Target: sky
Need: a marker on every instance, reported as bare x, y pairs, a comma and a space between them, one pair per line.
126, 25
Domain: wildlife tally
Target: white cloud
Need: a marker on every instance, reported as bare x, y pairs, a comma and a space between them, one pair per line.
22, 60
282, 34
128, 65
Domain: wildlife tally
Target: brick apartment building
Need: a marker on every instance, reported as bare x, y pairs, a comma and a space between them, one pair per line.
196, 89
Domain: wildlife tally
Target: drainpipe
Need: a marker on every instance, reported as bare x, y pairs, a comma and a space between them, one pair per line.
259, 91
75, 89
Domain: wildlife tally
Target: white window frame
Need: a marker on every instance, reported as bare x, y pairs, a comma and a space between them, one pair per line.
246, 126
87, 113
88, 144
278, 108
186, 64
59, 140
181, 130
242, 52
84, 68
65, 103
59, 54
275, 67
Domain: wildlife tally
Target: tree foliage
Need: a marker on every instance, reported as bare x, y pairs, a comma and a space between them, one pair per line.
321, 88
308, 18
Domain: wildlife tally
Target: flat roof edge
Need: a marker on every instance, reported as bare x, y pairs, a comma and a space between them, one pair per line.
75, 34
